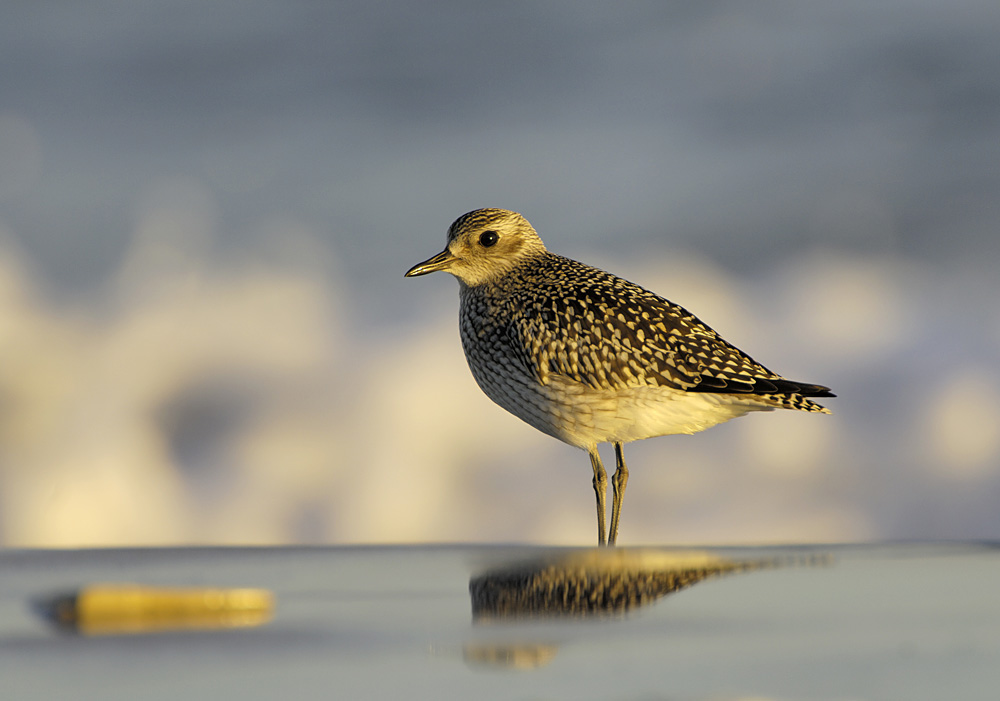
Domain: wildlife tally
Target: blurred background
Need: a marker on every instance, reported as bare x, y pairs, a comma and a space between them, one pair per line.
206, 211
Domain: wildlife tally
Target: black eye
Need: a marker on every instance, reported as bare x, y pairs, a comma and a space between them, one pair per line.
488, 238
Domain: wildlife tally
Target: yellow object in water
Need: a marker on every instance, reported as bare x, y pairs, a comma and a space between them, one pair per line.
113, 609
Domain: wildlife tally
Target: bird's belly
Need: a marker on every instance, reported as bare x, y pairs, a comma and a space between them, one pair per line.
582, 416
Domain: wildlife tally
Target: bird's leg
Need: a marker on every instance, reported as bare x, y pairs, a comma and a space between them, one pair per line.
618, 481
600, 489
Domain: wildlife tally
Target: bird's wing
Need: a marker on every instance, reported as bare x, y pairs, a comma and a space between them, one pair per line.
614, 334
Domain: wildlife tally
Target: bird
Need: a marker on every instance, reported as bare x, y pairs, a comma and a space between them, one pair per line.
588, 357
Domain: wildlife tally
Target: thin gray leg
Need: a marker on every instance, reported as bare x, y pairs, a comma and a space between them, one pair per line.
601, 490
618, 481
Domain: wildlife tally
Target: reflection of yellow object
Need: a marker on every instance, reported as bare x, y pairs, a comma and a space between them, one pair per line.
110, 609
509, 656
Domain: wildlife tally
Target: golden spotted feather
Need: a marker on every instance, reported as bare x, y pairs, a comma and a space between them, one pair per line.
569, 318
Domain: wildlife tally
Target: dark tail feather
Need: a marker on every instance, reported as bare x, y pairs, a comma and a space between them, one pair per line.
807, 390
760, 385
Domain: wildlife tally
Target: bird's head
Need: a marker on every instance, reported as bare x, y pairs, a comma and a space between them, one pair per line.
483, 246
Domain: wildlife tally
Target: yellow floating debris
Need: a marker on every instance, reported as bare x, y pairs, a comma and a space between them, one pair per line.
114, 609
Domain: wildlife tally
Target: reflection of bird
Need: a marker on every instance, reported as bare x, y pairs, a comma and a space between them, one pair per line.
588, 357
597, 583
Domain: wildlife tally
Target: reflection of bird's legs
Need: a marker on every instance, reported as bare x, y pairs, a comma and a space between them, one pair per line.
600, 489
618, 481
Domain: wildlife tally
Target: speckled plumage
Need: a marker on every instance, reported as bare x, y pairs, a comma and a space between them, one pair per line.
588, 357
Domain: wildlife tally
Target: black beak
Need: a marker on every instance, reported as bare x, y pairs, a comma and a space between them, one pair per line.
442, 261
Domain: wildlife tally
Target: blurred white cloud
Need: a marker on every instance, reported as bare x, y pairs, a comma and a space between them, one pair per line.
848, 307
91, 438
961, 423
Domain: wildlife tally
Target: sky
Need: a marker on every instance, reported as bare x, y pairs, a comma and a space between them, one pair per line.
206, 212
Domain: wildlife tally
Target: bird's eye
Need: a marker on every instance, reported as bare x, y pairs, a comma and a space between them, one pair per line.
488, 238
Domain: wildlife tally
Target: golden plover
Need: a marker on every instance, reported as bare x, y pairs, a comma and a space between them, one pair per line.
588, 357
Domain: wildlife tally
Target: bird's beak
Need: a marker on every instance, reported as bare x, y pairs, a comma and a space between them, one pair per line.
442, 261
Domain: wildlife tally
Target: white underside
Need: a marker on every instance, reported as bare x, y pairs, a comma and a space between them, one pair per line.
582, 416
